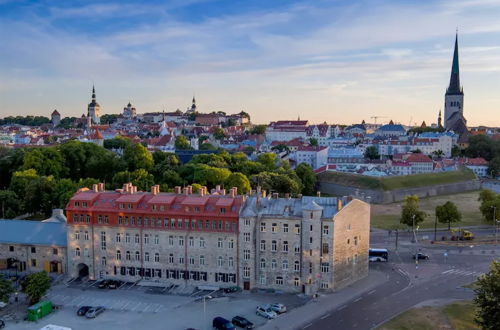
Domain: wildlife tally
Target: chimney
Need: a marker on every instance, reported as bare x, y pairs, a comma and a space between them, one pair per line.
223, 192
178, 190
190, 189
202, 191
339, 204
318, 193
232, 192
101, 186
133, 189
186, 191
95, 187
153, 190
235, 190
125, 187
157, 188
299, 196
217, 188
275, 195
264, 193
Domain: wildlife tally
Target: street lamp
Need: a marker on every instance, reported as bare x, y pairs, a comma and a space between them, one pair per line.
495, 221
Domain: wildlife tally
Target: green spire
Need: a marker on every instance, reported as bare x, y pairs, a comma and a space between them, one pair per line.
455, 87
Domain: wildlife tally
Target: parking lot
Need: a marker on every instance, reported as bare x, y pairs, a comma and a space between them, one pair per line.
136, 307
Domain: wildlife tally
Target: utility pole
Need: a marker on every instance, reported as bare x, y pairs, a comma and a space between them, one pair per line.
397, 236
495, 222
435, 228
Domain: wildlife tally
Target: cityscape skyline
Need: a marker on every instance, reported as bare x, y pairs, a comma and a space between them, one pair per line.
337, 57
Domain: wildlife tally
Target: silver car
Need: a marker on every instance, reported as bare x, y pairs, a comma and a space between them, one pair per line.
278, 308
265, 312
94, 311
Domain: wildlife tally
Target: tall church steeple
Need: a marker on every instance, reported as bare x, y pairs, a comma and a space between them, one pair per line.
454, 88
454, 96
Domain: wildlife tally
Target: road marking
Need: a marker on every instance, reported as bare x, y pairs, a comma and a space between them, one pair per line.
307, 326
447, 271
358, 299
123, 307
158, 309
325, 316
371, 292
341, 307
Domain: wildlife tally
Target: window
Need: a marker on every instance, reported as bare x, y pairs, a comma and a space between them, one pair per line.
118, 255
146, 238
246, 237
127, 238
246, 272
136, 240
77, 252
157, 239
274, 246
106, 219
310, 240
325, 267
220, 243
325, 285
285, 246
220, 261
222, 210
263, 263
325, 248
103, 240
171, 240
191, 241
33, 262
191, 260
296, 229
296, 281
202, 242
355, 240
33, 249
263, 245
285, 228
127, 255
230, 244
262, 227
274, 228
181, 241
273, 264
285, 265
246, 254
77, 235
157, 257
181, 260
263, 279
348, 241
311, 228
326, 230
54, 251
86, 236
103, 261
202, 260
296, 248
230, 262
171, 258
247, 222
296, 266
279, 280
118, 238
146, 256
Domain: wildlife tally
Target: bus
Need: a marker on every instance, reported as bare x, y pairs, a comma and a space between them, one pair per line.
378, 255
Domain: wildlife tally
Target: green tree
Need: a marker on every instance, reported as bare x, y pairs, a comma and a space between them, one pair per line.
258, 129
268, 160
138, 157
490, 208
486, 195
448, 213
118, 142
207, 146
182, 143
313, 142
239, 181
10, 204
196, 188
481, 146
210, 176
494, 167
219, 133
410, 213
171, 178
140, 178
438, 153
36, 286
274, 182
371, 152
281, 147
487, 298
40, 196
307, 177
21, 179
5, 288
47, 161
11, 161
64, 189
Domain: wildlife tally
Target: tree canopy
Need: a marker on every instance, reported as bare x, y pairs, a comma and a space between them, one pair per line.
36, 285
410, 213
448, 213
487, 298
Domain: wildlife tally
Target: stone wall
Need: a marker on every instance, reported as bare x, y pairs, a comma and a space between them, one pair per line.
397, 195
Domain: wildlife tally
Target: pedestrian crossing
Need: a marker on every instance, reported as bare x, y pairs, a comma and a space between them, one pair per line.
460, 272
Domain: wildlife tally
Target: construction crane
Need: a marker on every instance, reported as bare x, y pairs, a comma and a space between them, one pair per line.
377, 117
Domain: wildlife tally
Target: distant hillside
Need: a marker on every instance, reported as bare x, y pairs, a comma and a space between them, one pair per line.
396, 182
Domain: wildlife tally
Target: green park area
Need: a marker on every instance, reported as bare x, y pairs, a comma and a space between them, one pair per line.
396, 182
387, 216
456, 316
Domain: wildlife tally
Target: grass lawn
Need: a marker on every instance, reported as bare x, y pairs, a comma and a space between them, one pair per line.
387, 216
457, 316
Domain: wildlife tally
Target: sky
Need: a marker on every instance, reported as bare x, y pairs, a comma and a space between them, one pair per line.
334, 61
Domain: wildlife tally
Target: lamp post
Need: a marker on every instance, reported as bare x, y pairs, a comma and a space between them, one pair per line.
495, 222
435, 228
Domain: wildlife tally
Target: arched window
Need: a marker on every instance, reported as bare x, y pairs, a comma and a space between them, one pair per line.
127, 255
77, 252
274, 246
273, 264
285, 265
157, 257
137, 256
262, 263
220, 261
103, 261
118, 255
296, 266
146, 256
279, 280
137, 241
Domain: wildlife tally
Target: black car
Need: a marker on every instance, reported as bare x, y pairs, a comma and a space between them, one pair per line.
114, 284
421, 256
83, 310
232, 289
103, 284
242, 322
2, 324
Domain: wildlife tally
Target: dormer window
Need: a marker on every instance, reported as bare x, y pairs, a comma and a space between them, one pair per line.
197, 209
129, 206
122, 206
154, 207
77, 203
84, 204
162, 207
222, 210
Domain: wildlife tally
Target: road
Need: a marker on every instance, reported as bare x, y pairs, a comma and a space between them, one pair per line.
408, 286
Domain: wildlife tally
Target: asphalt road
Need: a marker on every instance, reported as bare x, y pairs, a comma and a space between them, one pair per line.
398, 295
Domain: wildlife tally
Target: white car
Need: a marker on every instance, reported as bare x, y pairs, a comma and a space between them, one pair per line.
265, 312
278, 308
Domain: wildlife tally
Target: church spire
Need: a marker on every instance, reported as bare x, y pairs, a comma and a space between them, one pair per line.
439, 119
455, 87
93, 93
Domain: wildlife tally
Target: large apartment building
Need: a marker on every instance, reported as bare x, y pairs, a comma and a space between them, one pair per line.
218, 238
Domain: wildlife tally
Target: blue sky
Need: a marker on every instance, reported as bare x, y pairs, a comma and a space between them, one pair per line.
334, 61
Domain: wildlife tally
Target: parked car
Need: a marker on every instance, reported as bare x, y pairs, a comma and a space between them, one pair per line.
266, 312
103, 284
94, 311
2, 324
83, 310
278, 308
114, 284
242, 322
232, 289
421, 256
221, 323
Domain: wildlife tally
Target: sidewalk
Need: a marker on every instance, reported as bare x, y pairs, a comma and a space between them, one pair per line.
316, 308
